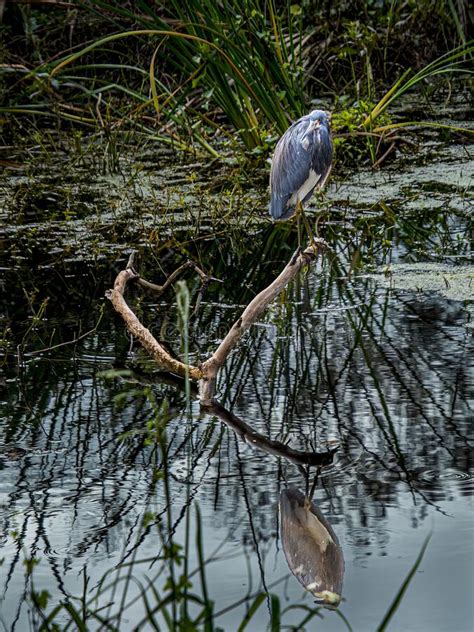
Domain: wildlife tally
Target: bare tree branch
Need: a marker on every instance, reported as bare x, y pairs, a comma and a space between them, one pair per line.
160, 289
141, 333
251, 314
205, 374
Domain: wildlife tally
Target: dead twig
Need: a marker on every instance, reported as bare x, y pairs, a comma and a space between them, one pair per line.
161, 289
141, 333
382, 158
68, 342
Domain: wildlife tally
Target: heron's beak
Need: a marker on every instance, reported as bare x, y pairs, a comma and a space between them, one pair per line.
313, 125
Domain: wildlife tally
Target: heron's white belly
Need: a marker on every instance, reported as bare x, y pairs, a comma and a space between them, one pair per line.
305, 188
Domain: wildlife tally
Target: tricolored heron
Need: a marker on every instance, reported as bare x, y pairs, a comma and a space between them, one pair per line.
301, 163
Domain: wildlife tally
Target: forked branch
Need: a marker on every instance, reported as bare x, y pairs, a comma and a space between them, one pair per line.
206, 373
140, 332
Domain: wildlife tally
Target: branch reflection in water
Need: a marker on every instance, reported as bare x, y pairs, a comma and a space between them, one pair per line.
311, 547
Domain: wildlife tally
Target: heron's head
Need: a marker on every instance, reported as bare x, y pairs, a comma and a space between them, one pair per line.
316, 120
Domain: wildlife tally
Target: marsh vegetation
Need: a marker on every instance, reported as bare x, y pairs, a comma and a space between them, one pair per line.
125, 504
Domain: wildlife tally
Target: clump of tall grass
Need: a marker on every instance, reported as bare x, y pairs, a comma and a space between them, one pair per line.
362, 128
198, 76
202, 60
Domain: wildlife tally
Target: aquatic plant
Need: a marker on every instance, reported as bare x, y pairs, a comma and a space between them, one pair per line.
176, 596
243, 59
201, 78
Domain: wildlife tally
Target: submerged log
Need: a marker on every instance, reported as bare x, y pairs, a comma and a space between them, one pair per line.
311, 547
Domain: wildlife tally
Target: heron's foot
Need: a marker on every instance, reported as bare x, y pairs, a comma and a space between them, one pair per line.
321, 244
295, 256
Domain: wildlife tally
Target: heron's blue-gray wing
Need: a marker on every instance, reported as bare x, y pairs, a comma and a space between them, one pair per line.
291, 165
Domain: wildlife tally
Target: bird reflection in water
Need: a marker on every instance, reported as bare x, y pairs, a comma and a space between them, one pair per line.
311, 547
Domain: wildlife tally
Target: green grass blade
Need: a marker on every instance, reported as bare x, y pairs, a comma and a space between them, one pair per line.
81, 626
455, 60
259, 599
154, 92
385, 100
275, 624
453, 128
152, 32
208, 625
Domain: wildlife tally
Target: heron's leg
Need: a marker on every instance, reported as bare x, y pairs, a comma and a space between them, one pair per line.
298, 225
300, 215
307, 226
310, 494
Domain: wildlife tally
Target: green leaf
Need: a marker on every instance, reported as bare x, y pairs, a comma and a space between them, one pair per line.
40, 599
275, 614
259, 599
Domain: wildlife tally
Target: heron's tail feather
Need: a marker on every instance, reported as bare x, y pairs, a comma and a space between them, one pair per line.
279, 210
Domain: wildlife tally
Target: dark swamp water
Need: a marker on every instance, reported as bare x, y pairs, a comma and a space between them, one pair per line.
370, 352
